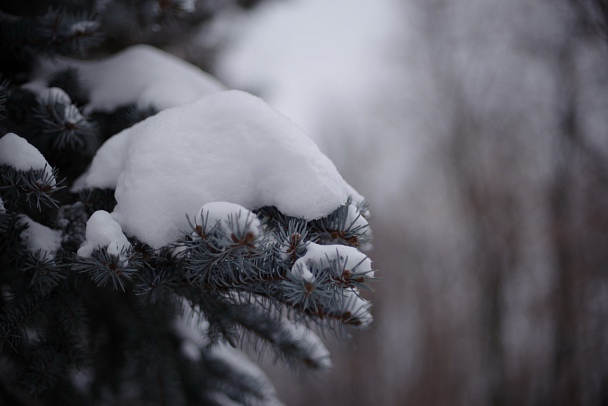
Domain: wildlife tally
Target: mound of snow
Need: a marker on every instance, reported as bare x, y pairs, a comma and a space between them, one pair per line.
140, 74
23, 156
347, 258
103, 231
229, 146
38, 238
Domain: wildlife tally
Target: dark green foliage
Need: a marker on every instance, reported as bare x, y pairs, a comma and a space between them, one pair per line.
110, 123
107, 269
117, 326
3, 96
28, 190
58, 31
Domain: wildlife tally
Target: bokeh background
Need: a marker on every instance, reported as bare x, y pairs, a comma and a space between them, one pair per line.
478, 131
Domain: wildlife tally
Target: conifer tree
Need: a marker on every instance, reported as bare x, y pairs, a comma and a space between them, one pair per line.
114, 288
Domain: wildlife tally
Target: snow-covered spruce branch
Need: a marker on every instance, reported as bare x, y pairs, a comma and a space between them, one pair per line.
232, 255
191, 219
62, 125
28, 189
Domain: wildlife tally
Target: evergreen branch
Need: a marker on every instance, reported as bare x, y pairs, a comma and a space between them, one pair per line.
56, 32
290, 342
71, 219
4, 86
224, 256
45, 272
71, 315
150, 14
5, 219
291, 241
28, 189
17, 314
65, 33
12, 251
64, 127
340, 228
103, 267
156, 285
155, 353
113, 314
44, 367
351, 310
228, 375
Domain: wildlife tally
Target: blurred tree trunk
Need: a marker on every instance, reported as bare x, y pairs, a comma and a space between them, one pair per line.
579, 210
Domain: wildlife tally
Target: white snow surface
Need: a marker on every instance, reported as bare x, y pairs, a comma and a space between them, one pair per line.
140, 74
230, 217
348, 258
39, 238
103, 231
228, 147
21, 155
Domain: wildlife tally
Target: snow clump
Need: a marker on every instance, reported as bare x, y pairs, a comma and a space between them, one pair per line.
21, 155
140, 74
344, 258
103, 231
228, 146
39, 239
230, 218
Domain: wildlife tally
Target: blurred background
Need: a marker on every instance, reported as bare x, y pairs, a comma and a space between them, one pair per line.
478, 131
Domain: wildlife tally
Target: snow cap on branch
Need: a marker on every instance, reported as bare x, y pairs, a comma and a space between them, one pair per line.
103, 231
39, 238
141, 74
228, 146
229, 217
21, 155
343, 257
